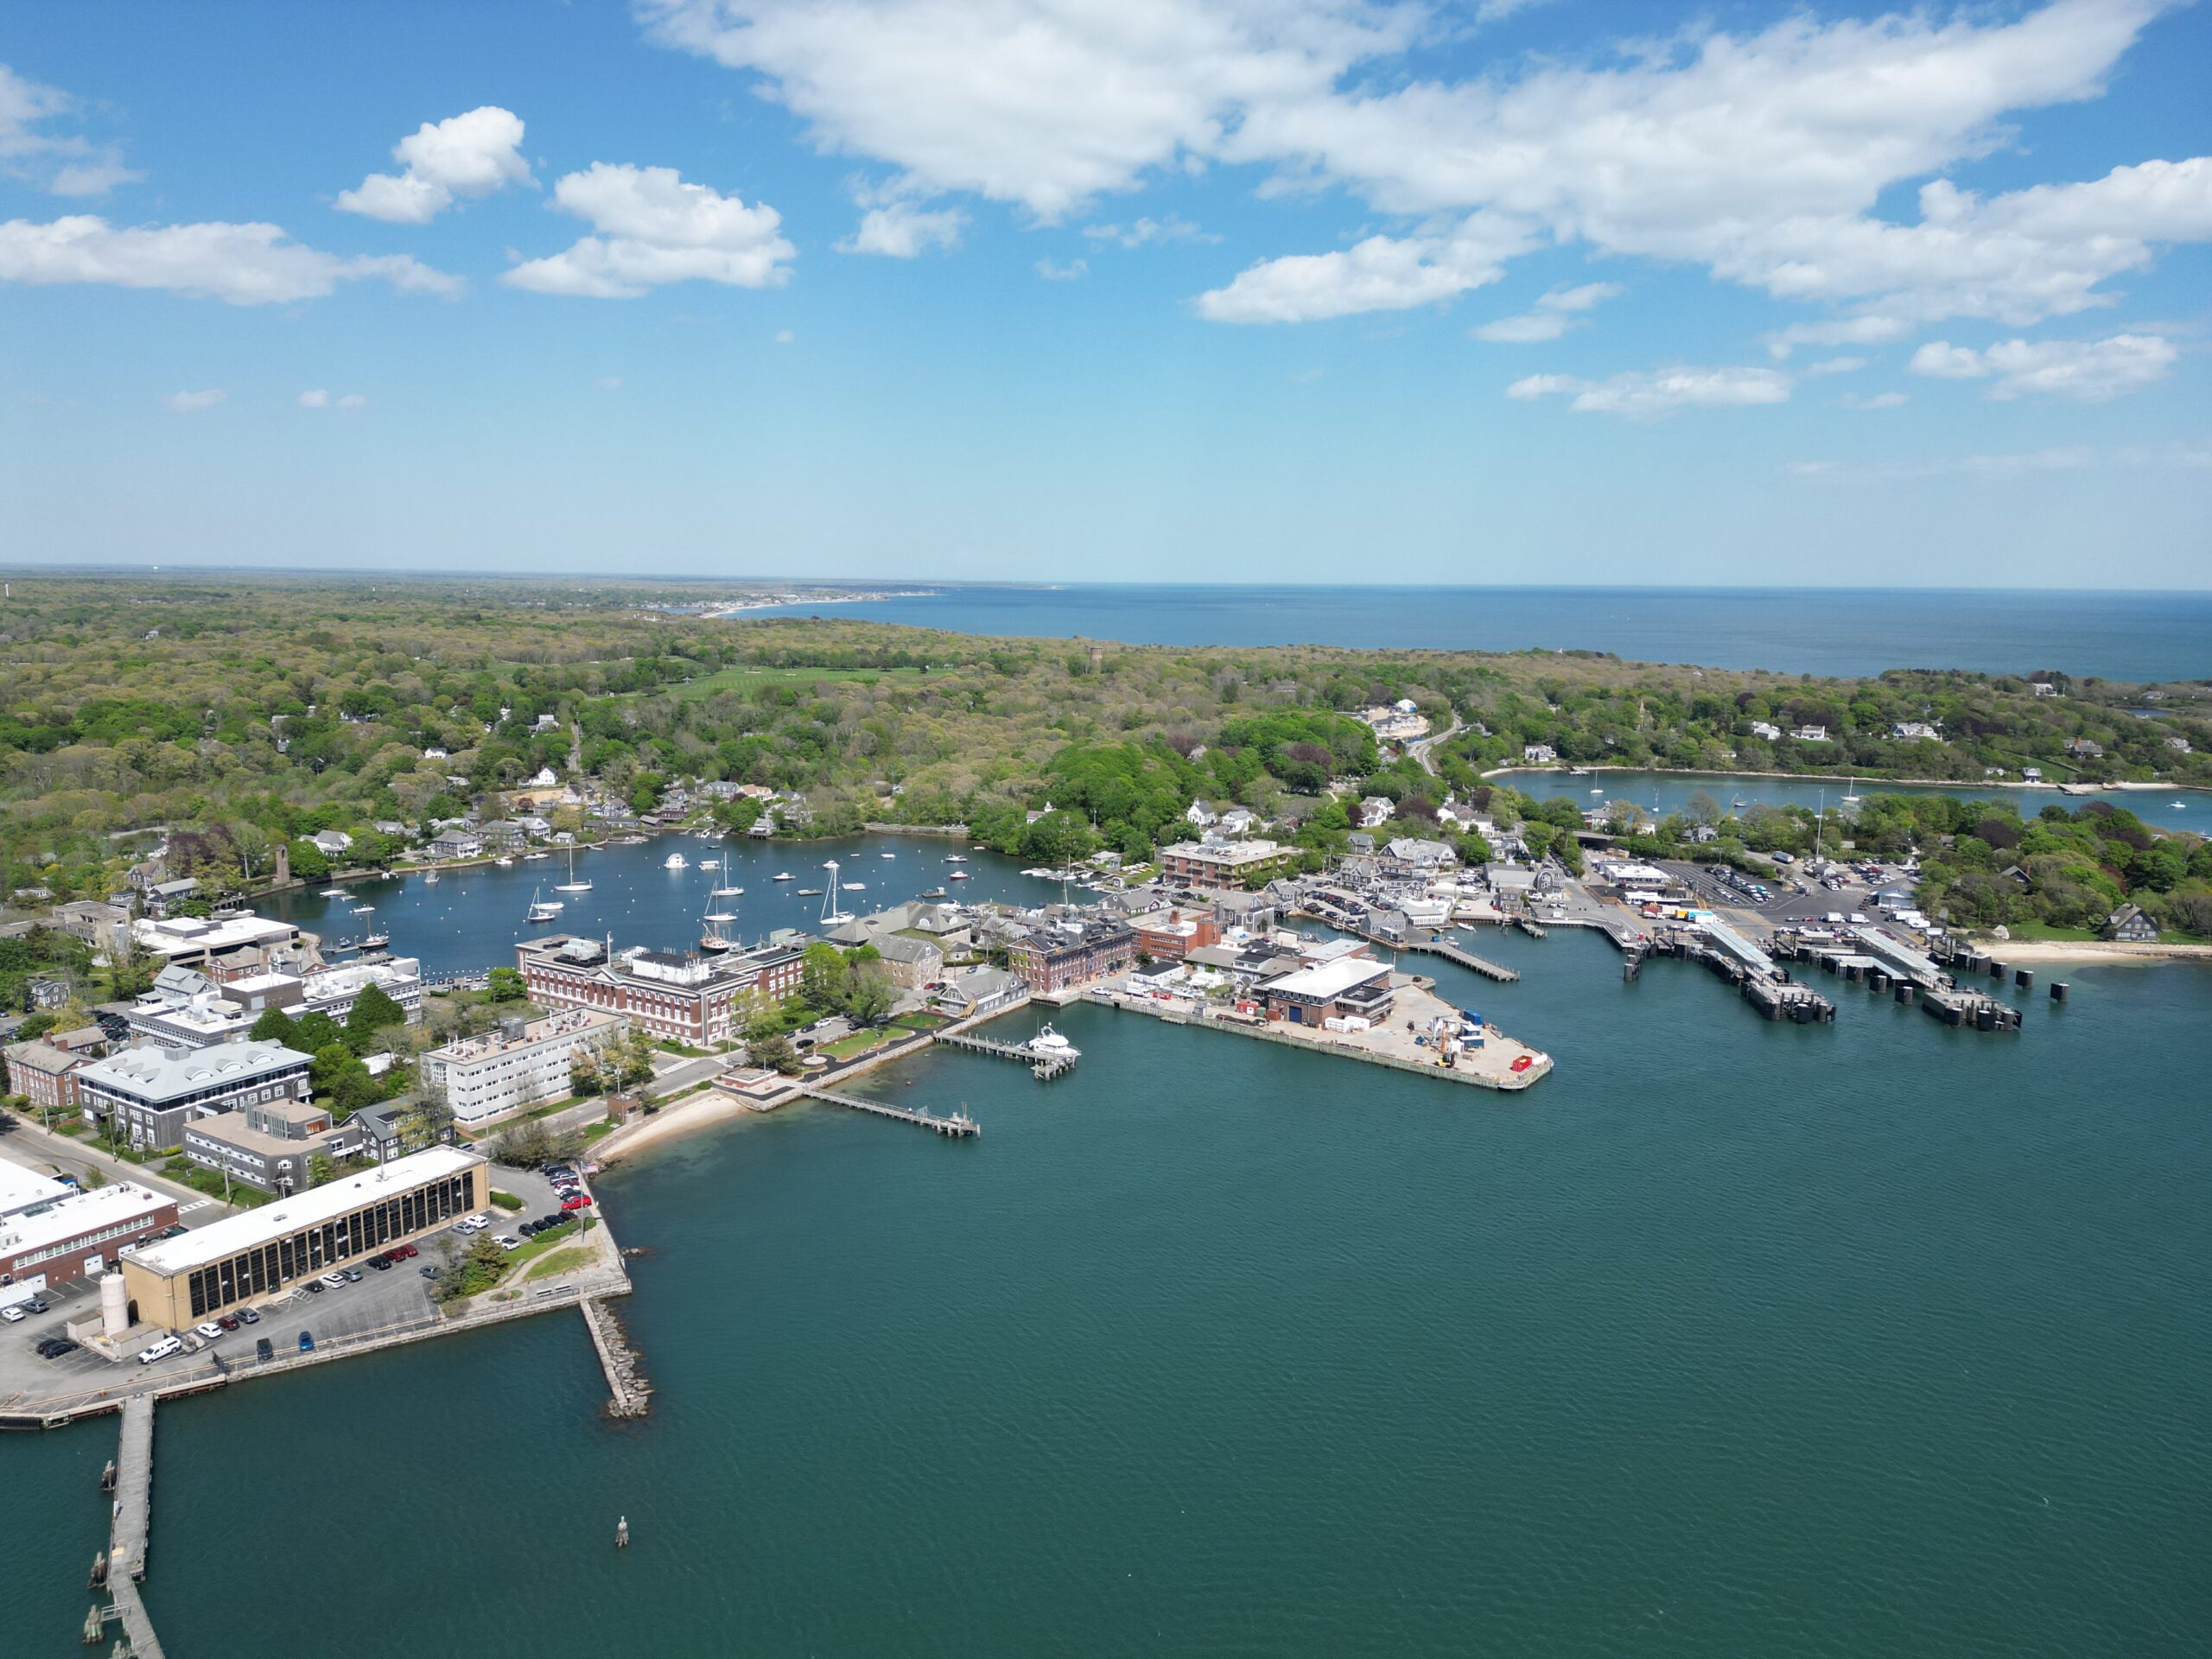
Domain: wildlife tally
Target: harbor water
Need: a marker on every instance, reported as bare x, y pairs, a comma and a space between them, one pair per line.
1730, 1338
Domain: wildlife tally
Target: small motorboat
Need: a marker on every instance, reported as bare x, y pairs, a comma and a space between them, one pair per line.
960, 875
782, 875
504, 861
854, 886
2181, 806
933, 893
675, 861
710, 863
532, 858
955, 858
810, 892
339, 892
363, 909
886, 855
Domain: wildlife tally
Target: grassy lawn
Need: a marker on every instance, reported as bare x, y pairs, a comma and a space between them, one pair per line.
534, 1248
560, 1262
595, 1131
922, 1021
862, 1043
739, 678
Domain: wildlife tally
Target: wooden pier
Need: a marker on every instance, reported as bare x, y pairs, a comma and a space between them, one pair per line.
133, 1514
958, 1126
1466, 959
1045, 1067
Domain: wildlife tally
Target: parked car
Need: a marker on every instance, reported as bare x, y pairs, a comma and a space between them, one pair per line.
408, 1252
306, 1342
314, 1286
508, 1242
247, 1316
381, 1263
575, 1201
161, 1349
262, 1349
36, 1305
479, 1220
352, 1276
13, 1313
228, 1321
210, 1329
335, 1280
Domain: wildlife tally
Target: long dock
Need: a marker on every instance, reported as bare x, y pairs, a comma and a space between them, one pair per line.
133, 1515
1465, 958
958, 1126
628, 1393
1045, 1066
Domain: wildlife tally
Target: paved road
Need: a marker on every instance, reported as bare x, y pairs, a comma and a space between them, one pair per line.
1419, 747
28, 1144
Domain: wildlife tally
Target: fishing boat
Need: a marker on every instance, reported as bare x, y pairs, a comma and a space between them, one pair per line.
572, 885
542, 910
675, 861
933, 893
782, 875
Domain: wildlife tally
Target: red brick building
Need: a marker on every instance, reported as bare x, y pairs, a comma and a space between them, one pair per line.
45, 1075
693, 999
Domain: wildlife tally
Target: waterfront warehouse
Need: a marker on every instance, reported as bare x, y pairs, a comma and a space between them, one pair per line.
178, 1282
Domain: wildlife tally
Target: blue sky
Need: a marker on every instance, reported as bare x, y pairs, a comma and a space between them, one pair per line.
1506, 290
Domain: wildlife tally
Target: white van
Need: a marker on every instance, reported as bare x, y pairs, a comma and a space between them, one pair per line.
161, 1349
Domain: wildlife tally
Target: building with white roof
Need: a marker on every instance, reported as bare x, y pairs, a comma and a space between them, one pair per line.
76, 1236
147, 1094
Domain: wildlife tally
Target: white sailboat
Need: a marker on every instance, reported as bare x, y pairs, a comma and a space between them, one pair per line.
831, 915
541, 910
572, 885
729, 892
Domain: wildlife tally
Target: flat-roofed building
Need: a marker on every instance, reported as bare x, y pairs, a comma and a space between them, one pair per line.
1350, 985
693, 999
233, 948
269, 1145
147, 1094
76, 1237
1213, 864
177, 1282
1171, 935
522, 1063
1053, 957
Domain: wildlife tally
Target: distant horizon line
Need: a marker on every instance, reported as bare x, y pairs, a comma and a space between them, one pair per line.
392, 574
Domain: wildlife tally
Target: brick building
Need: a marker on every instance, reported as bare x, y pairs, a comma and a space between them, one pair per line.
693, 999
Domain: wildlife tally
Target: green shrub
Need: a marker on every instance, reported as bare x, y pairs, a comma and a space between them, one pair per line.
506, 1200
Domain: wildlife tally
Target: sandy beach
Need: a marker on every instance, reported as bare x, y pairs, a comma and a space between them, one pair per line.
701, 1111
2023, 951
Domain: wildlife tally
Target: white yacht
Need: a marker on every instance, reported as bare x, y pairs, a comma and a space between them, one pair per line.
710, 863
1050, 1045
339, 892
675, 861
886, 855
955, 858
855, 887
959, 875
782, 875
572, 885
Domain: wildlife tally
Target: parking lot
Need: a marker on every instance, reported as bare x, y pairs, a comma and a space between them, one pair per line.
381, 1298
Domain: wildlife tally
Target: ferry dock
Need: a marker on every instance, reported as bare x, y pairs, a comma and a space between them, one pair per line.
1044, 1066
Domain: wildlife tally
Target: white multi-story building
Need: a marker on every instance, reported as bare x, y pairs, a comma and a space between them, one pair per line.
521, 1064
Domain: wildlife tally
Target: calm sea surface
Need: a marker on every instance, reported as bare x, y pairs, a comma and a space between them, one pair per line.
1729, 1337
2139, 637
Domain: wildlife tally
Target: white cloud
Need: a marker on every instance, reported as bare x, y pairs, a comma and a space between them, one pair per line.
1073, 269
1864, 330
191, 402
317, 399
1040, 103
2091, 371
241, 264
1877, 400
320, 398
469, 154
1148, 232
1643, 396
1496, 11
352, 400
2071, 459
63, 164
1382, 273
785, 337
899, 229
653, 228
1834, 366
609, 383
1553, 316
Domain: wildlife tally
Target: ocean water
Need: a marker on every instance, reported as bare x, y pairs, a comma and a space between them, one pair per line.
1729, 1337
2123, 636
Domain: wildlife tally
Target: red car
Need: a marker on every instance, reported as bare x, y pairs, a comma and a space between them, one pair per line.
405, 1250
575, 1201
1523, 1062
